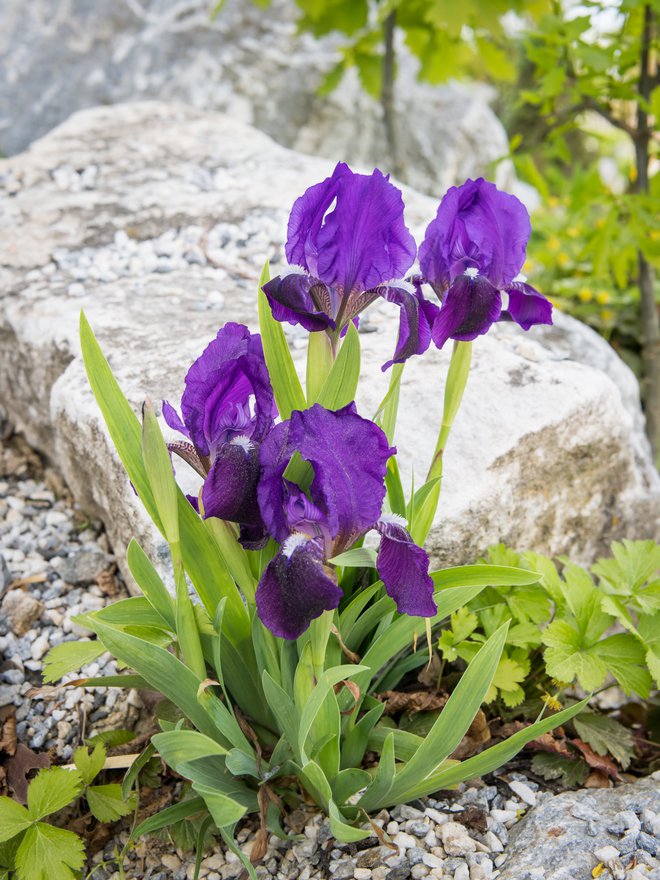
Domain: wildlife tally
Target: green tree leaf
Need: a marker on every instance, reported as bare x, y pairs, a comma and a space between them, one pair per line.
48, 853
52, 790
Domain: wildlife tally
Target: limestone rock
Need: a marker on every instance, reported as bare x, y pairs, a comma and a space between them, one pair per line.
156, 219
554, 842
249, 64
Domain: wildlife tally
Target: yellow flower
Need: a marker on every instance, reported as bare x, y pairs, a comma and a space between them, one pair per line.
600, 223
563, 259
602, 297
528, 266
553, 201
573, 232
654, 234
553, 243
551, 702
607, 315
632, 174
585, 294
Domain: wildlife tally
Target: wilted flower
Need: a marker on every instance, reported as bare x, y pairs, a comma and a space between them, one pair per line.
348, 235
348, 455
228, 408
473, 252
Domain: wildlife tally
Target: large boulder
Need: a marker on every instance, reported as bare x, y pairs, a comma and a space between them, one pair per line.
248, 63
156, 219
567, 837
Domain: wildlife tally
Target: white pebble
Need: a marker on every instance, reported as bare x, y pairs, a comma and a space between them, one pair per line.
493, 842
432, 861
362, 874
404, 841
606, 854
462, 872
39, 646
436, 816
418, 872
524, 792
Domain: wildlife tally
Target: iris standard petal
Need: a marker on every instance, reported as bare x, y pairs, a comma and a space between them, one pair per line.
527, 306
404, 569
306, 219
219, 387
349, 231
476, 226
470, 307
416, 318
301, 299
295, 588
230, 489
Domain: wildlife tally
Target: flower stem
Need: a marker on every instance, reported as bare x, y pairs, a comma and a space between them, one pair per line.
459, 368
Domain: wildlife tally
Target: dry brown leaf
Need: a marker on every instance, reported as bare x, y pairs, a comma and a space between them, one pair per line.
473, 817
548, 742
598, 762
383, 836
597, 779
412, 701
430, 673
475, 739
18, 767
8, 730
355, 691
19, 583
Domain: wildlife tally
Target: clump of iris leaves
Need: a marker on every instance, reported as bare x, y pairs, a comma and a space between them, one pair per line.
274, 674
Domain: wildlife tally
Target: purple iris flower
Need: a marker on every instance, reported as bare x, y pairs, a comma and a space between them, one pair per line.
348, 235
473, 252
348, 456
228, 407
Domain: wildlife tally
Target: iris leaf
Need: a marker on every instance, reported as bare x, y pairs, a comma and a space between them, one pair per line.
341, 384
284, 379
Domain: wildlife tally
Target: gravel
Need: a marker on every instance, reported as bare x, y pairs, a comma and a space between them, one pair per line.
449, 850
54, 564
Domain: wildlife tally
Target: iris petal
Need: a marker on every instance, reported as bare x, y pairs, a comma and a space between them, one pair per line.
349, 231
470, 307
219, 387
349, 457
527, 306
404, 569
476, 226
230, 489
296, 588
415, 321
173, 419
301, 299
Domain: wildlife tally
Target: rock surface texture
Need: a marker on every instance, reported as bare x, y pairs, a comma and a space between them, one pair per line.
247, 63
156, 219
567, 836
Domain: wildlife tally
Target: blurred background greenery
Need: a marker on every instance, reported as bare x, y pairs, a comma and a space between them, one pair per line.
578, 91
